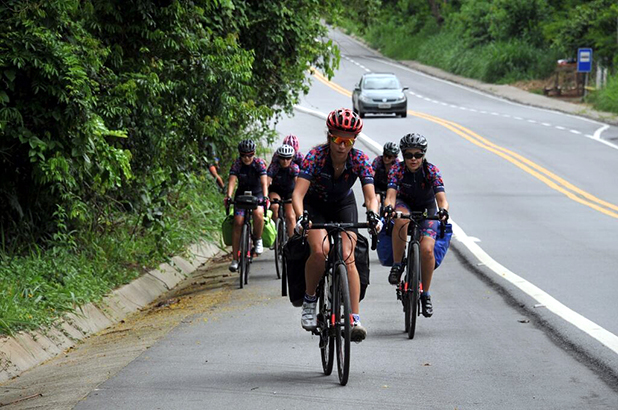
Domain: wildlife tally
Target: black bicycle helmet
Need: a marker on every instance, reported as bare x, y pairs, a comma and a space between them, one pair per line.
285, 151
413, 140
246, 146
391, 148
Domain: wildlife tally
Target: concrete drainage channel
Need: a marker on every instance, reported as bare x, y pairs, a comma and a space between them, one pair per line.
26, 350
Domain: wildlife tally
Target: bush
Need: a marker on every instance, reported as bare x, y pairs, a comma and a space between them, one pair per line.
606, 99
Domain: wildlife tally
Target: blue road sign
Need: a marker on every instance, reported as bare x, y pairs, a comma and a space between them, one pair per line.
584, 60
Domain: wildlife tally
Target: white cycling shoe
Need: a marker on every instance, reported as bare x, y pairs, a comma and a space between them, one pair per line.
309, 319
259, 248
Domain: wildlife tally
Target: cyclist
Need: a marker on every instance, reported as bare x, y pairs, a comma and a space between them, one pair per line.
212, 163
324, 190
292, 140
416, 185
382, 164
250, 173
282, 174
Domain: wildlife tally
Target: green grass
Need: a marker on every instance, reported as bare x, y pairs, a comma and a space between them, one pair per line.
606, 99
38, 288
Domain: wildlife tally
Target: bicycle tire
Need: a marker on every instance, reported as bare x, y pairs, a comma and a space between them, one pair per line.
243, 255
341, 308
279, 248
414, 279
327, 338
249, 247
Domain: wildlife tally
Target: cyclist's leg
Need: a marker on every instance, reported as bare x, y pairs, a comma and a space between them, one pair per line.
239, 219
258, 222
314, 267
400, 232
274, 207
290, 219
428, 260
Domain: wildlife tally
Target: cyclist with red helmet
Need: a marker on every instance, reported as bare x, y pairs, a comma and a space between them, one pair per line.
416, 185
324, 190
382, 164
250, 173
292, 140
282, 174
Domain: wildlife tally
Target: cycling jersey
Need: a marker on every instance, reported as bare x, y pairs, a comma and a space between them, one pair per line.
417, 189
381, 174
318, 169
296, 159
282, 178
249, 176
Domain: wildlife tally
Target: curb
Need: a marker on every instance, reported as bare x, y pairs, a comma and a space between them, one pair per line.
26, 350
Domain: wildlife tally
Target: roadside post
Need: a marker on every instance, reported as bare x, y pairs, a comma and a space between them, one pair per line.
584, 64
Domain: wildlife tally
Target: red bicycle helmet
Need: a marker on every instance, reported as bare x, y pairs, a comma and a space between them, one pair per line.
345, 120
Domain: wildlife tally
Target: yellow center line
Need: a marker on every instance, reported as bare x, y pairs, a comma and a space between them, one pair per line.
544, 175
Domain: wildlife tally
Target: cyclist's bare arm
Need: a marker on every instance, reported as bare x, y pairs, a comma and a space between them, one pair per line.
231, 185
300, 190
264, 181
371, 202
391, 197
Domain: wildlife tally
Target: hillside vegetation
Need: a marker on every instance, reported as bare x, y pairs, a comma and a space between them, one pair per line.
109, 112
496, 41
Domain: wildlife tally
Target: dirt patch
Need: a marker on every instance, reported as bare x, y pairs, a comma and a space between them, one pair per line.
65, 380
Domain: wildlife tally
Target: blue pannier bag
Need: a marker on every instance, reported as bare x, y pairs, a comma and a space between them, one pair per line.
385, 248
442, 244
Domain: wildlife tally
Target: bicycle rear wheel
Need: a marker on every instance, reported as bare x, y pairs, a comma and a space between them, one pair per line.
249, 248
413, 280
327, 338
243, 260
341, 310
279, 242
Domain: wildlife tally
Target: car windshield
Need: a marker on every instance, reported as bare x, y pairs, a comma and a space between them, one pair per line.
381, 83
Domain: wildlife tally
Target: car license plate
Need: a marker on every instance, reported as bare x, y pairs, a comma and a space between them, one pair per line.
384, 105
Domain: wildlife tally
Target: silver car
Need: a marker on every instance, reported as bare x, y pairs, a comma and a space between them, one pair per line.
379, 93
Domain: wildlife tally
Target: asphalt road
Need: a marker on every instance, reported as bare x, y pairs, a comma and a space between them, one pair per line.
489, 344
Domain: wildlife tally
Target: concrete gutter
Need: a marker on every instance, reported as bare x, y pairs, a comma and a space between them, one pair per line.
25, 350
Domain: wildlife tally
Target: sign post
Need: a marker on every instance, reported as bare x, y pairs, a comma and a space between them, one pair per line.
584, 64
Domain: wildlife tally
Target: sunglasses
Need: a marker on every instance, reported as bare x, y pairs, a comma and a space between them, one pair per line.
410, 155
348, 142
249, 155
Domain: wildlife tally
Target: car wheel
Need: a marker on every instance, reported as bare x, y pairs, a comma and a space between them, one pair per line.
404, 114
361, 114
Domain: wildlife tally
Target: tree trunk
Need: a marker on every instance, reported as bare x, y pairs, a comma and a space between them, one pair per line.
435, 10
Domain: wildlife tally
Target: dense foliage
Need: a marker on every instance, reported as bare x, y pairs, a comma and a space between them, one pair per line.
492, 40
109, 111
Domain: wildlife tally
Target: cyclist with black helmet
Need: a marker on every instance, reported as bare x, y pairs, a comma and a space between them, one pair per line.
250, 173
382, 164
324, 190
416, 185
282, 174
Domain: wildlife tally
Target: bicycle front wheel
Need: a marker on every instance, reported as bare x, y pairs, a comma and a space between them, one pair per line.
413, 280
244, 251
327, 338
341, 310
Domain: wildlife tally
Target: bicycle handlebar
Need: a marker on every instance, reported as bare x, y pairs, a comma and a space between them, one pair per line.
419, 216
346, 225
281, 201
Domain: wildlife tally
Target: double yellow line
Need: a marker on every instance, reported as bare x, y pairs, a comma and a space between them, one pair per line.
544, 175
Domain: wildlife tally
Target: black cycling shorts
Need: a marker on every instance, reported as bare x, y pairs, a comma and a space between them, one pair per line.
344, 210
282, 193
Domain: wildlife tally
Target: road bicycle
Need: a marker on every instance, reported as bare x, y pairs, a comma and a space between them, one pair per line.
411, 286
334, 309
280, 240
249, 203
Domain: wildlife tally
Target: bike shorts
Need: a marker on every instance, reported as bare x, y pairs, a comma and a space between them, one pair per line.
241, 212
284, 194
344, 210
428, 228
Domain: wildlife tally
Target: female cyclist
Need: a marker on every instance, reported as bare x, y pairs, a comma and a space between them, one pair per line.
250, 173
416, 185
324, 190
382, 164
292, 140
282, 174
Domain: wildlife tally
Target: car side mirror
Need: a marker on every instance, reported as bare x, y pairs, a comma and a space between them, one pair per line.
357, 87
405, 88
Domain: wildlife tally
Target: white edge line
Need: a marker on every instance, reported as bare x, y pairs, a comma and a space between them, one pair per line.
597, 133
607, 338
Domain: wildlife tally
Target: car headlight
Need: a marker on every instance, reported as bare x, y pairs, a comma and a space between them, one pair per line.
401, 98
365, 99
